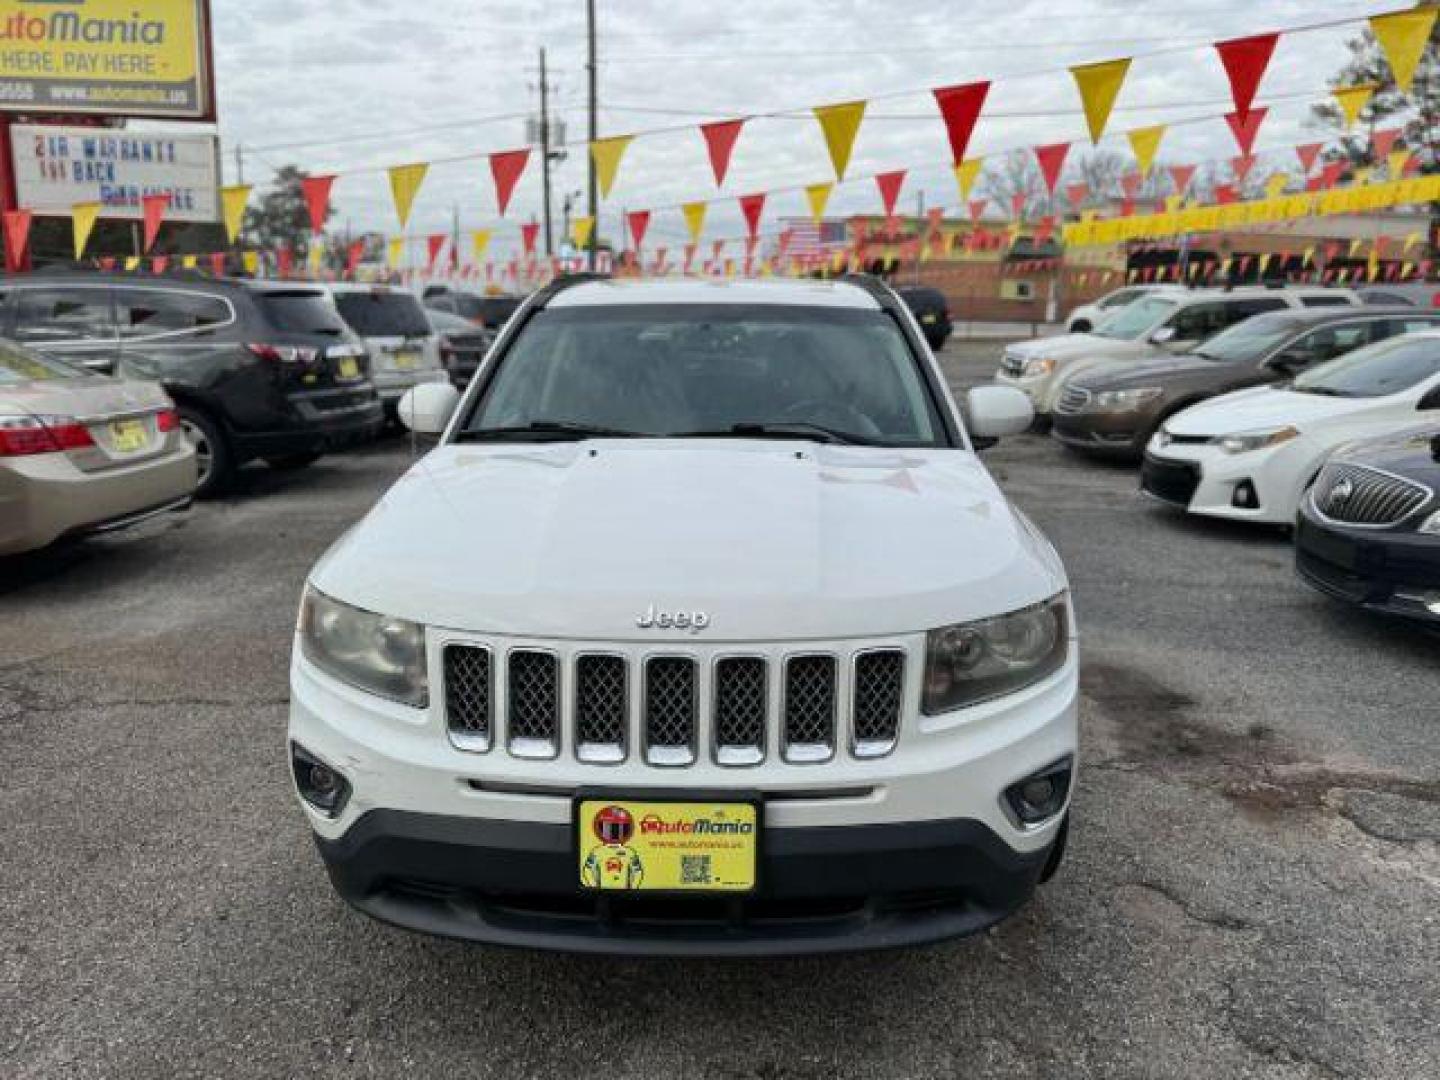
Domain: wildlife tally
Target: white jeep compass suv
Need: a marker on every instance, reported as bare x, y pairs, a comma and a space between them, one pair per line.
702, 631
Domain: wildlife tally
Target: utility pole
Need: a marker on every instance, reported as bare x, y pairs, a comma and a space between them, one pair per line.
454, 238
545, 151
594, 132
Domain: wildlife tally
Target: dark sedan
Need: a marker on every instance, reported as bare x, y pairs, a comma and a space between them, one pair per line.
463, 345
1114, 411
1369, 531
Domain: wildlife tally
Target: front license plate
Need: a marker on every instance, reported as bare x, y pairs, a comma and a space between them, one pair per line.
628, 845
127, 436
406, 361
349, 368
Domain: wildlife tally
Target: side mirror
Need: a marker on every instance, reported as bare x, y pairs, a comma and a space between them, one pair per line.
994, 411
1163, 336
1431, 399
1291, 361
426, 409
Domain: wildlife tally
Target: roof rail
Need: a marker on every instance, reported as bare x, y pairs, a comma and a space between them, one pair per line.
567, 281
874, 286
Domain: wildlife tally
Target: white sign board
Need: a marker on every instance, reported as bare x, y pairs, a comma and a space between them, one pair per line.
57, 167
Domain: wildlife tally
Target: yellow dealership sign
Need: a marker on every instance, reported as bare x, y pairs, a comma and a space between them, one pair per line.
113, 57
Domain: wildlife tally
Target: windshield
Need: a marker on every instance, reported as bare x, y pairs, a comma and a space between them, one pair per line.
383, 314
1249, 340
676, 369
1132, 320
17, 367
302, 312
1387, 368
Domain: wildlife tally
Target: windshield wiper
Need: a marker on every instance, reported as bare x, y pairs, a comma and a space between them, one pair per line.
545, 431
781, 429
1323, 391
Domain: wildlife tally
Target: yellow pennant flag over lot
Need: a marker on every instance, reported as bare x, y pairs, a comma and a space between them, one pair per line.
1145, 142
405, 181
1099, 86
607, 154
1351, 100
132, 263
839, 124
1276, 184
232, 204
1403, 35
1396, 163
819, 196
580, 230
251, 259
480, 243
694, 219
82, 217
966, 173
395, 250
189, 262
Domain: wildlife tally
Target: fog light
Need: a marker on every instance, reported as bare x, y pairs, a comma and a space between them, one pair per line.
1244, 497
319, 784
1042, 794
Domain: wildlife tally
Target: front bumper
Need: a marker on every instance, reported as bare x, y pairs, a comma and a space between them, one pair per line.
1388, 571
1117, 434
823, 889
1221, 483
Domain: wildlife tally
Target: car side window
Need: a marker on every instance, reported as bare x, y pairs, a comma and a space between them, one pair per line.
1329, 342
52, 315
145, 313
1198, 321
1321, 300
1395, 327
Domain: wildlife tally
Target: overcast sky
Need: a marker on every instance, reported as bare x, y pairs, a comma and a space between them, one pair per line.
346, 85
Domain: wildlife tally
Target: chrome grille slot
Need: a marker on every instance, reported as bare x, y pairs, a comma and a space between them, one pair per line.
533, 704
809, 731
876, 698
670, 710
1073, 400
468, 696
602, 708
741, 695
1357, 495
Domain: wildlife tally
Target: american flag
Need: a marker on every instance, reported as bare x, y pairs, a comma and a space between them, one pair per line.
807, 239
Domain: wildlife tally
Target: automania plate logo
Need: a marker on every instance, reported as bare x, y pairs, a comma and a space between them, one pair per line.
659, 619
655, 825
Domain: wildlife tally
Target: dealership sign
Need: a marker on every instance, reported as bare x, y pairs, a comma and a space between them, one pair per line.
58, 167
115, 57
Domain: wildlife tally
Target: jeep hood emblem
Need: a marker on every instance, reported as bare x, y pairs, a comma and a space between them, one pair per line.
658, 619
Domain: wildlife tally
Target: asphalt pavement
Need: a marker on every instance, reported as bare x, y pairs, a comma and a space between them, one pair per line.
1252, 888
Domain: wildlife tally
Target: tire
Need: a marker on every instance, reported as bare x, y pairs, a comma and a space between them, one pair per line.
213, 458
1057, 852
1081, 326
292, 462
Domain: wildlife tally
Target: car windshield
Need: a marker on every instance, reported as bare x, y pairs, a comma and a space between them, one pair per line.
383, 314
18, 366
1250, 339
1389, 367
1133, 320
302, 311
844, 375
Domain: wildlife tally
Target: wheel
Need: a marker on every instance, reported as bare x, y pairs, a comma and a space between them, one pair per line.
1081, 326
1057, 852
292, 462
213, 459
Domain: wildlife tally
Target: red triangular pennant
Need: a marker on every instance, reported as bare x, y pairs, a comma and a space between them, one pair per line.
752, 206
159, 264
1245, 61
960, 108
217, 264
284, 261
889, 184
1224, 193
1242, 165
1382, 142
506, 169
639, 221
17, 237
317, 199
1052, 161
1182, 175
1330, 174
1017, 204
977, 208
353, 255
152, 209
1308, 154
1077, 194
528, 233
1246, 128
720, 139
434, 244
1130, 184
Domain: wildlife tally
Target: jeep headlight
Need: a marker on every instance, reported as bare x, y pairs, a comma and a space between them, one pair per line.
1040, 365
1245, 441
1431, 525
976, 661
382, 655
1118, 400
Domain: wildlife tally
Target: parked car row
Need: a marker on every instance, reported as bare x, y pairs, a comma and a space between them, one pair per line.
1326, 420
123, 396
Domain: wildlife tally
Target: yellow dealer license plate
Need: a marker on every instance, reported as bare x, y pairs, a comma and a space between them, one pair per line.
349, 368
128, 435
406, 361
639, 846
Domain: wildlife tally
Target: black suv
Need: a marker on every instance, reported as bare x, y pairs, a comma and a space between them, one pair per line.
257, 369
491, 312
930, 310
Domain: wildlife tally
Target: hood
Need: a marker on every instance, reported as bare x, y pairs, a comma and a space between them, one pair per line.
1071, 345
1413, 453
1259, 408
772, 540
88, 395
1150, 371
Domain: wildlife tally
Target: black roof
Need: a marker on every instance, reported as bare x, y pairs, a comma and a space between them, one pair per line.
186, 278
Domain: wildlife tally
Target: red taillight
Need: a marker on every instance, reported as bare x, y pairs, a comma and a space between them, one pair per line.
21, 436
167, 420
268, 353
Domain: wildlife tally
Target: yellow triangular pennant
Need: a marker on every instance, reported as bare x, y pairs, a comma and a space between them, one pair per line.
82, 217
819, 196
694, 219
1352, 99
1396, 163
607, 154
1275, 185
480, 243
966, 173
189, 262
232, 201
251, 260
1411, 240
405, 181
1145, 142
580, 230
1403, 36
839, 124
132, 262
1099, 85
395, 251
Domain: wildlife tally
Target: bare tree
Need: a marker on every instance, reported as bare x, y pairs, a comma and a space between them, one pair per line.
1015, 174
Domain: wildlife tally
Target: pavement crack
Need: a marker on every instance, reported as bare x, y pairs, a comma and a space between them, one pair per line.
1217, 921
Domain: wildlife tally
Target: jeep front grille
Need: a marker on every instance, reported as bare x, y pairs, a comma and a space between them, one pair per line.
741, 700
533, 704
809, 708
670, 710
468, 695
602, 708
1356, 495
876, 698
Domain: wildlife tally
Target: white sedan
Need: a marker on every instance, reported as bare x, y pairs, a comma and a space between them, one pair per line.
1251, 455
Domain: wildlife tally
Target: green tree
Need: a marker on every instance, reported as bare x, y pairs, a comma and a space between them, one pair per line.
281, 217
1417, 114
